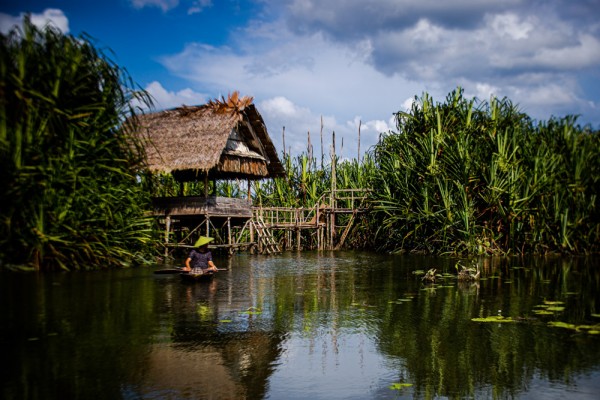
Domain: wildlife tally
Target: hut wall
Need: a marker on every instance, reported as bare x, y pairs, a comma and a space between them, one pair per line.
243, 166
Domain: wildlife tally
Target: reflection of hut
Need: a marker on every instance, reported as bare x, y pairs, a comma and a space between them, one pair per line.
219, 140
221, 366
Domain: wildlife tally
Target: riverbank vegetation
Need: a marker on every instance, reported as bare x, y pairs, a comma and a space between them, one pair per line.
70, 197
484, 178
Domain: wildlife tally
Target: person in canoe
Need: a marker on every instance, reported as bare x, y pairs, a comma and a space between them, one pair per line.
200, 260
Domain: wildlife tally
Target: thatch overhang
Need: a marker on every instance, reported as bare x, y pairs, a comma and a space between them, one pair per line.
214, 139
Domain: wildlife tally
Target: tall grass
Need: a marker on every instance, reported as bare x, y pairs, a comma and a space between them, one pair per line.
69, 191
483, 178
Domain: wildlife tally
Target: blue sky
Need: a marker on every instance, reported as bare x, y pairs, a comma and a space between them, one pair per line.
346, 62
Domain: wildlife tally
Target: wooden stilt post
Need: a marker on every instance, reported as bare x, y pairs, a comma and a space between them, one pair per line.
206, 185
318, 219
167, 229
251, 233
229, 235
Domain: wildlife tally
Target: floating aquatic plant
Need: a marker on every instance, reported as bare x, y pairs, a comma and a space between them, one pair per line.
553, 303
400, 301
494, 318
400, 385
550, 307
589, 329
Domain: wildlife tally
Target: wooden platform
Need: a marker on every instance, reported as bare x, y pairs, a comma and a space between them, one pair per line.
237, 225
200, 205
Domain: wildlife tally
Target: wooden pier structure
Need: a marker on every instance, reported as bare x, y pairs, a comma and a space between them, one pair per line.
236, 225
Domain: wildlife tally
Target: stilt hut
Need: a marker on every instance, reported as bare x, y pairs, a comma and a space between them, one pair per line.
222, 140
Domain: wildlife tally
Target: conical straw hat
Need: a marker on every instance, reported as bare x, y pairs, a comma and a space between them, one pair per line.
203, 240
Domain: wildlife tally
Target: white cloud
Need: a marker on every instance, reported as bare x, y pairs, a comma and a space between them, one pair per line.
283, 108
407, 104
485, 91
584, 53
199, 6
511, 26
164, 99
164, 5
50, 16
548, 95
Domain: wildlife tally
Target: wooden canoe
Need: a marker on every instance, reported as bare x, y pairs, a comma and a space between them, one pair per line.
169, 271
187, 277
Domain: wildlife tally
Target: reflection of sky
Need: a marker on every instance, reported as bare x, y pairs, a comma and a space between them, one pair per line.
582, 387
330, 366
348, 366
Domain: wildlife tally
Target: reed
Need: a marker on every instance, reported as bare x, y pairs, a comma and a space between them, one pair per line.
70, 192
483, 178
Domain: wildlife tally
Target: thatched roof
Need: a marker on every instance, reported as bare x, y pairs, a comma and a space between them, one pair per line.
227, 139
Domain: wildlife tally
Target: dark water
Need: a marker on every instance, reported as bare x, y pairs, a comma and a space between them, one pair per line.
343, 325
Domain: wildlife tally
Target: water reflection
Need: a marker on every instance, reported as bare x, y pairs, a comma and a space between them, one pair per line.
306, 325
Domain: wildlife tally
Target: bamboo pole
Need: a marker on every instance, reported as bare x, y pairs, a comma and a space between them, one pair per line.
332, 195
322, 150
358, 153
283, 139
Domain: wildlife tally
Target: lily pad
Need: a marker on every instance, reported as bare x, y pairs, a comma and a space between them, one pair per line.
589, 329
494, 318
560, 324
400, 386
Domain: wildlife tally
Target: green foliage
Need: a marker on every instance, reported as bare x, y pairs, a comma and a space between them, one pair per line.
70, 193
462, 177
